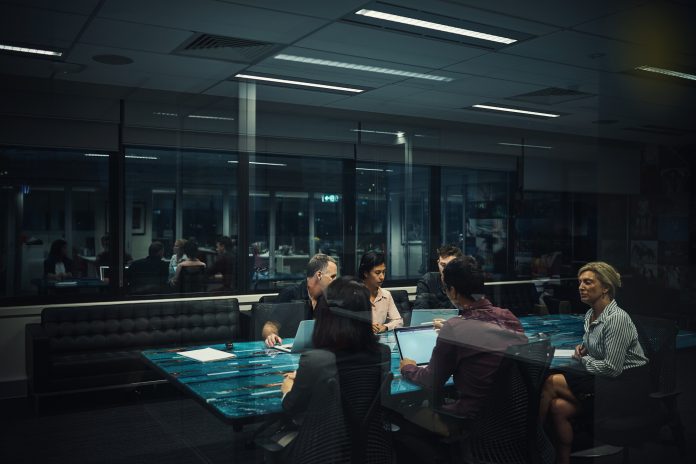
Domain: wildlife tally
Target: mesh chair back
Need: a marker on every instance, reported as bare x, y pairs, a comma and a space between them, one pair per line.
658, 338
518, 298
403, 305
506, 430
192, 279
268, 299
287, 315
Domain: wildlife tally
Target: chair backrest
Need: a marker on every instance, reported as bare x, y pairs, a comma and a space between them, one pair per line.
506, 430
402, 304
287, 315
192, 279
268, 298
658, 338
518, 298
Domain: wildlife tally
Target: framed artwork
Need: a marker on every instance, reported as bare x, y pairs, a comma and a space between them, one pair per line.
138, 219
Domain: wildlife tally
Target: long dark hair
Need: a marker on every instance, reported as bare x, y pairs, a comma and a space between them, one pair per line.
369, 260
56, 251
344, 318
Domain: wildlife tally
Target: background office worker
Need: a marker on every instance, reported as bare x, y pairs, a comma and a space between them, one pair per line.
57, 265
469, 347
372, 271
430, 293
150, 274
321, 271
610, 351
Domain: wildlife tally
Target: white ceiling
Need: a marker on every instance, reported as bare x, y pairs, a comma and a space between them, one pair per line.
587, 46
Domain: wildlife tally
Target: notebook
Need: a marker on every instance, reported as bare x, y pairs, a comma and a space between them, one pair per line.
416, 343
426, 316
302, 341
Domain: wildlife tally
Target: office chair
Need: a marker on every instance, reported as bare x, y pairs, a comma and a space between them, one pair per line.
192, 279
658, 339
403, 305
506, 430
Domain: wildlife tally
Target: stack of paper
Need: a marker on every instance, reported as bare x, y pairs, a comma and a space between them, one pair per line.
207, 354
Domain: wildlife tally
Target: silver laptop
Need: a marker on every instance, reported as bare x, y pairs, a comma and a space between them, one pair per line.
302, 341
426, 316
103, 272
416, 343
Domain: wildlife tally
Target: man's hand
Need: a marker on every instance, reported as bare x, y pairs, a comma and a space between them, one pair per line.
580, 351
406, 362
379, 328
288, 382
437, 323
273, 339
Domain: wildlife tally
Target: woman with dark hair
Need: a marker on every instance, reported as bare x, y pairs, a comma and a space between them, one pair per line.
57, 266
348, 350
190, 251
372, 271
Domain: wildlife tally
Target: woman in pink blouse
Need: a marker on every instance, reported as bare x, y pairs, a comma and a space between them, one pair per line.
372, 270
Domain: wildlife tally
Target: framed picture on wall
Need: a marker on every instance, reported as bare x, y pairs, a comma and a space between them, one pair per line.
138, 220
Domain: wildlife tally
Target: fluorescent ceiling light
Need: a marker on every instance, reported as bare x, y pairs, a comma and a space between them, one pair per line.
667, 72
142, 157
96, 155
434, 26
259, 163
544, 147
361, 67
374, 169
33, 51
398, 134
203, 116
516, 110
162, 113
301, 83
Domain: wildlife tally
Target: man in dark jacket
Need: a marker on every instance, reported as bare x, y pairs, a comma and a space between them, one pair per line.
149, 275
430, 293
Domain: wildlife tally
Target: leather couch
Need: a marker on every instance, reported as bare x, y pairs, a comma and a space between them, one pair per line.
76, 349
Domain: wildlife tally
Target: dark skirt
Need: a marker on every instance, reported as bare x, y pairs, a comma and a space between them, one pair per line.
619, 395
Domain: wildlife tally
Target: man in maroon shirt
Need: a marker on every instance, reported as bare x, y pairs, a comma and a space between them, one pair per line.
469, 347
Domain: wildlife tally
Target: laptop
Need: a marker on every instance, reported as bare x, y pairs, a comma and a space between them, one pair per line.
426, 316
416, 343
302, 341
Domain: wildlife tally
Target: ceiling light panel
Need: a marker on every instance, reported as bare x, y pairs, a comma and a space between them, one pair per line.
29, 50
435, 26
514, 111
667, 72
299, 83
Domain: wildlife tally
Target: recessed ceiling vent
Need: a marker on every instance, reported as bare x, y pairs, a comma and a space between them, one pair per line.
219, 47
551, 96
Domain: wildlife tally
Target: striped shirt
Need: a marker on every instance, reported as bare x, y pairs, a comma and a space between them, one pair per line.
611, 342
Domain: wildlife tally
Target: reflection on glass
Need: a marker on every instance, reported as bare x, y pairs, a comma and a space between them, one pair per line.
296, 210
52, 196
391, 219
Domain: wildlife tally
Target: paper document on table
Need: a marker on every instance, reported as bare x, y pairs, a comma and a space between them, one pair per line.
564, 353
207, 354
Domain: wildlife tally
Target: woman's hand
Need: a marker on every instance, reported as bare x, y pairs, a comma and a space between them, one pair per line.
288, 382
379, 328
580, 351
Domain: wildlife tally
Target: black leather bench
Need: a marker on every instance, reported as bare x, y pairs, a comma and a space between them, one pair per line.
77, 349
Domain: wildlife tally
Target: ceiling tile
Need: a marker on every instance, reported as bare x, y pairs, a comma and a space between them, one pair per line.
121, 34
31, 26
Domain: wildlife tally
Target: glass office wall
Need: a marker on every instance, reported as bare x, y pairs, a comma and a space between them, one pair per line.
295, 210
180, 194
475, 215
54, 209
393, 216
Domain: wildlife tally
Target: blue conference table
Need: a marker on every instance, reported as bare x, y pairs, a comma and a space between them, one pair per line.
243, 388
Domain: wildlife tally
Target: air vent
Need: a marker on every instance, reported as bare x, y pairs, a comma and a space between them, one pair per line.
218, 47
551, 96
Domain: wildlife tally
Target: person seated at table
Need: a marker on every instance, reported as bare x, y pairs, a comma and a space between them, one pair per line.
225, 264
372, 271
150, 274
321, 271
177, 256
346, 348
191, 263
57, 265
104, 258
430, 293
469, 347
612, 364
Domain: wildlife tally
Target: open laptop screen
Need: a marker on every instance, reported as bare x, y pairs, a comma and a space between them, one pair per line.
416, 343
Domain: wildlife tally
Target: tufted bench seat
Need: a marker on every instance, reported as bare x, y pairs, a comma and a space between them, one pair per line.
77, 349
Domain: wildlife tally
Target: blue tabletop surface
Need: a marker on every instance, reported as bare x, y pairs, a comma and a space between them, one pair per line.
249, 384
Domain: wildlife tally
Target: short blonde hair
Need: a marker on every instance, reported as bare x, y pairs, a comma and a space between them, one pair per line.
606, 274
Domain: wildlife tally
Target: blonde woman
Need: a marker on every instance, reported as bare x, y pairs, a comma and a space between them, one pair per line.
611, 364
